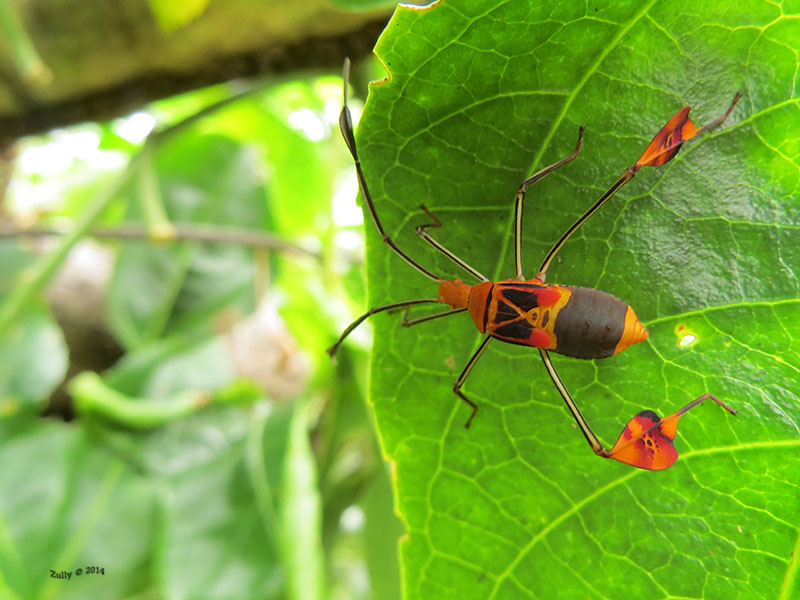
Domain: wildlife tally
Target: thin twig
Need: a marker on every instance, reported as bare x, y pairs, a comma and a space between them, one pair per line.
181, 232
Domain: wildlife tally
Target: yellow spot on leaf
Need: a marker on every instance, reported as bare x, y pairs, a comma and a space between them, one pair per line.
685, 336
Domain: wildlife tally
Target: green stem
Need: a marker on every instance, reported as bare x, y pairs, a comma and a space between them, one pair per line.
27, 60
94, 398
155, 213
257, 469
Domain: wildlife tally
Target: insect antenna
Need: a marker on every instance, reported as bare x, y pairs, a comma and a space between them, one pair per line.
394, 306
346, 126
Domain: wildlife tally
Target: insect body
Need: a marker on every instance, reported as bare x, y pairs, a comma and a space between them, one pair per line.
573, 321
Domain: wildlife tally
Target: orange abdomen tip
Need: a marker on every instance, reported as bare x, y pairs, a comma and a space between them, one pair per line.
633, 332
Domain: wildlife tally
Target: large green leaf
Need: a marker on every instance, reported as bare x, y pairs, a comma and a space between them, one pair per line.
480, 95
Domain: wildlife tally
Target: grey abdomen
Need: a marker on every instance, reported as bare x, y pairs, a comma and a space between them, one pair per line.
590, 325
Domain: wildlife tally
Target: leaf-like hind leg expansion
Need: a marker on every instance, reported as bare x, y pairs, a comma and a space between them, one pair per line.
422, 231
417, 320
647, 440
520, 199
335, 348
463, 377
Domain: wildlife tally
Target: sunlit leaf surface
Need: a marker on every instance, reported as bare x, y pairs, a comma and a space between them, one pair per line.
706, 249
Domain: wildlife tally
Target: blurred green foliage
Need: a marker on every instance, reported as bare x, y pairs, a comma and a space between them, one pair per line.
223, 455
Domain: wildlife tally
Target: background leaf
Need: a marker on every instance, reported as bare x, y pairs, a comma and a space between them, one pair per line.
66, 516
479, 96
157, 290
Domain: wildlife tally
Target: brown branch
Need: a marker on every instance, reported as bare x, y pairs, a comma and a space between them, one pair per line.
145, 83
181, 232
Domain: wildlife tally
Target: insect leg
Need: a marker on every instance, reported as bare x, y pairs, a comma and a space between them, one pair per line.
646, 441
662, 149
594, 442
625, 178
697, 401
333, 349
463, 377
416, 321
423, 233
346, 126
521, 197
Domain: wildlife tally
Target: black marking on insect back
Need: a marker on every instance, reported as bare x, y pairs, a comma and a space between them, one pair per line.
527, 286
486, 308
517, 330
545, 318
525, 300
505, 312
649, 414
590, 325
